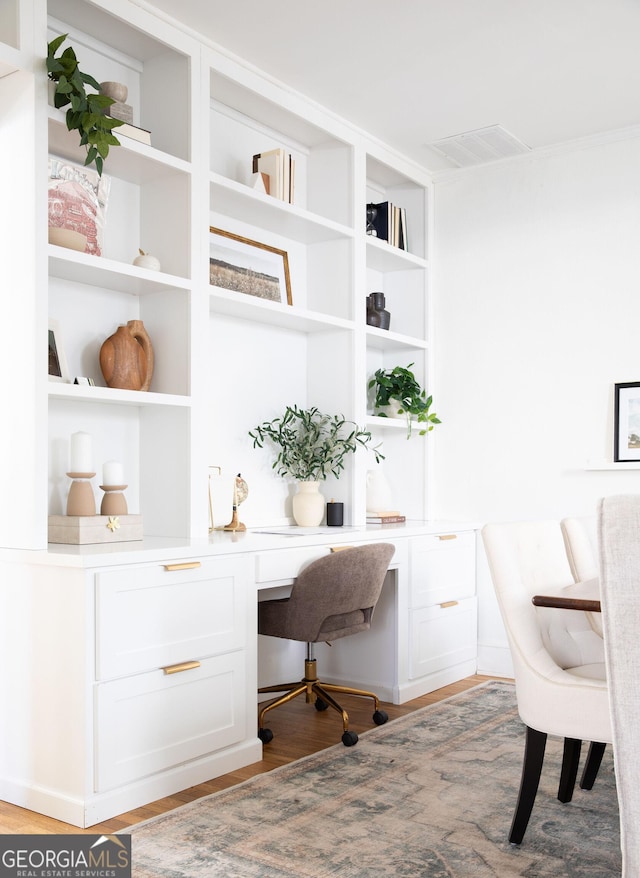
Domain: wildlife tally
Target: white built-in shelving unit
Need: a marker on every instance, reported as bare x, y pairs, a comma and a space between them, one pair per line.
223, 361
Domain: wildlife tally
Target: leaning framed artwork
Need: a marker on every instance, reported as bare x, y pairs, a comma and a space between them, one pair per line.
626, 430
57, 361
249, 267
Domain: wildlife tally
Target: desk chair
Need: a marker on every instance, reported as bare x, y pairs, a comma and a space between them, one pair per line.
332, 597
558, 658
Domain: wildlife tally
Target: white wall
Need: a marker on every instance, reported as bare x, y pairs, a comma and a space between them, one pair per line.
537, 316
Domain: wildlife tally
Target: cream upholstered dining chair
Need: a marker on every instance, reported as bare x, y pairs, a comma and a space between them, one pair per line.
619, 541
331, 598
558, 658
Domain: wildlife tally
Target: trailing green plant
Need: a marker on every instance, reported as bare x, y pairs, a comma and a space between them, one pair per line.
87, 111
399, 386
311, 445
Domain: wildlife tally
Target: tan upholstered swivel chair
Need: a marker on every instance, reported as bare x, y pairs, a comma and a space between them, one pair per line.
333, 597
558, 658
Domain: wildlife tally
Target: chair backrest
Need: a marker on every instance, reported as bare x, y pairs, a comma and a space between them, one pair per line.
336, 595
581, 541
549, 647
619, 542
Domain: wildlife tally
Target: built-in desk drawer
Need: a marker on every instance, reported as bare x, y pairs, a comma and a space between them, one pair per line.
442, 637
443, 568
150, 722
150, 617
283, 565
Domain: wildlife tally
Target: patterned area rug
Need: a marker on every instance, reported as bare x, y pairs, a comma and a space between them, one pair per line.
430, 794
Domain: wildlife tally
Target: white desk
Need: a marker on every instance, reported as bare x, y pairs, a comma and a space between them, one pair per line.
139, 674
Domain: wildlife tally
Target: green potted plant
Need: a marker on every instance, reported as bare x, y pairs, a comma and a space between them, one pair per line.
399, 394
310, 445
87, 111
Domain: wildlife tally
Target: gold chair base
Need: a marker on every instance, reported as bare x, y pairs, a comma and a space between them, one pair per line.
311, 686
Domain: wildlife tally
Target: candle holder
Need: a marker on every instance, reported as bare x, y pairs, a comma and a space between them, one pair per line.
113, 502
80, 500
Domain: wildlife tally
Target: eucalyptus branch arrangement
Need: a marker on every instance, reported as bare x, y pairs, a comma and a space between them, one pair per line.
311, 445
87, 111
399, 387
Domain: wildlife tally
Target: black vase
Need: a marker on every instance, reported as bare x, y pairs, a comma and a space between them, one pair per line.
376, 313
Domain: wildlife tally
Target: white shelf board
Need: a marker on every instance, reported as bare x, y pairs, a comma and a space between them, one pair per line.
258, 310
385, 340
110, 395
390, 423
611, 466
131, 161
97, 271
382, 256
243, 203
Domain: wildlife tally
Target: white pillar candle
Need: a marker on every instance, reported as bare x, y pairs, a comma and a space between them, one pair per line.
112, 473
80, 454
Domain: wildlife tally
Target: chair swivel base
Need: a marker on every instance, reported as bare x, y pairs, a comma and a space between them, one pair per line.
310, 686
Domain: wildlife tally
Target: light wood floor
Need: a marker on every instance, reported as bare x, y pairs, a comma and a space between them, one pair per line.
298, 730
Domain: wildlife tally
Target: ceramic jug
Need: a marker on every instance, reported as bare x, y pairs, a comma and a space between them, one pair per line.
126, 357
378, 491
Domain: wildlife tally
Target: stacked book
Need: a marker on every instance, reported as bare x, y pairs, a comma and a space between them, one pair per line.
385, 517
388, 223
277, 168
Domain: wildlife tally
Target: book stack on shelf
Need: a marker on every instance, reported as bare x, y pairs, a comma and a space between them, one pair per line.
278, 167
122, 111
388, 222
386, 517
133, 132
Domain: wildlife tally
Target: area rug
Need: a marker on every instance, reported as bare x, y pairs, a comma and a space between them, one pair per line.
430, 794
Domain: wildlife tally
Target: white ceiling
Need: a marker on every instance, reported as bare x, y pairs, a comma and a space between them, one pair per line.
414, 71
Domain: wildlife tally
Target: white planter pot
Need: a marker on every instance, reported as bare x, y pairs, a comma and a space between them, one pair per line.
391, 410
308, 504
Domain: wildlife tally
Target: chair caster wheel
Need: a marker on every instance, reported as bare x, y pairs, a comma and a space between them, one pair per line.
349, 739
321, 704
380, 717
265, 735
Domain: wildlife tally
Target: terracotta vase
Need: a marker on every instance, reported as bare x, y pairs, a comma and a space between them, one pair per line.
126, 357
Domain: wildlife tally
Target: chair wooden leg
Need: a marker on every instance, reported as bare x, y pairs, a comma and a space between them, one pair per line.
592, 765
535, 745
570, 759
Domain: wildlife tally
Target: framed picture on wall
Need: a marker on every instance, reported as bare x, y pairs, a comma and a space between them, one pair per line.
626, 431
57, 361
249, 267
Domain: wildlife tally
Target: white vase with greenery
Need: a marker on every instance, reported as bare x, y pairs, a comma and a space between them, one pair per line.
310, 446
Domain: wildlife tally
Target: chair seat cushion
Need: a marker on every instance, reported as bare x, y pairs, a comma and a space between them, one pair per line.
596, 671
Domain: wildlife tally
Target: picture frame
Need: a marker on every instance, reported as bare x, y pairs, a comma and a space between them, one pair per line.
58, 370
248, 267
626, 430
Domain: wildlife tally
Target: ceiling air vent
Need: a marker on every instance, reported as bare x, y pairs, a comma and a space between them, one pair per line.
482, 145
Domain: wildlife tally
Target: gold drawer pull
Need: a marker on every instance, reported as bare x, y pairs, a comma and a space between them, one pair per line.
179, 668
447, 604
447, 536
185, 565
339, 548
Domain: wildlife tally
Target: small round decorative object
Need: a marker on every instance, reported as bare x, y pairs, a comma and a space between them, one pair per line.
146, 260
116, 90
